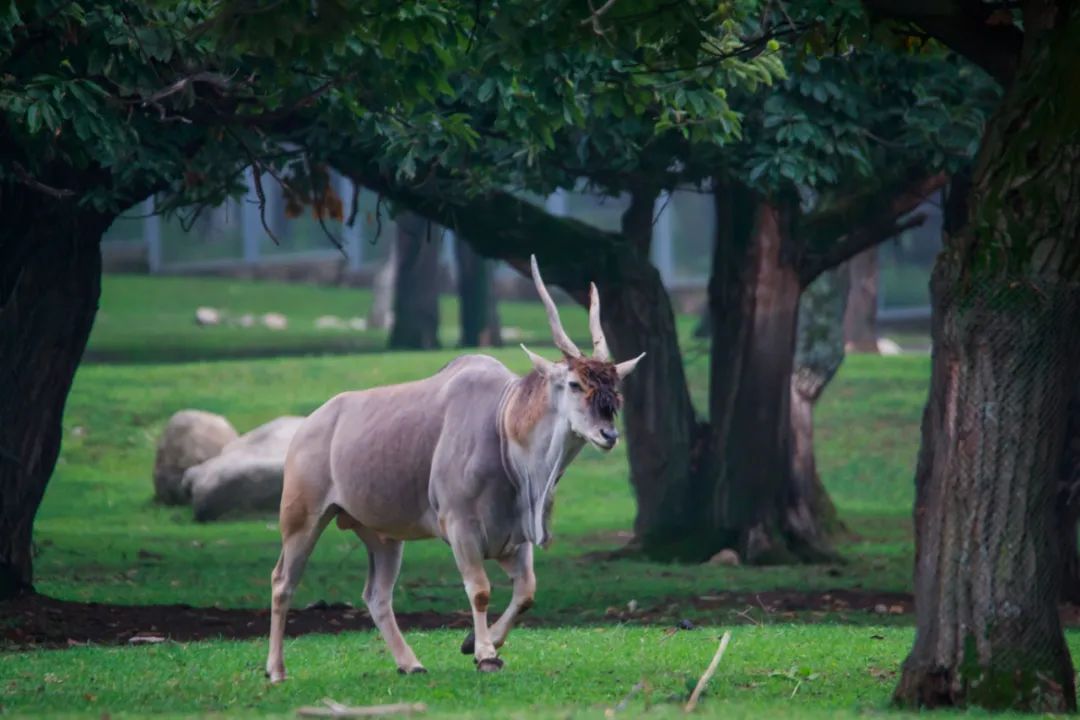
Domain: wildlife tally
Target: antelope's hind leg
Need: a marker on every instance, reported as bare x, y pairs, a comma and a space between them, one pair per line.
299, 533
384, 564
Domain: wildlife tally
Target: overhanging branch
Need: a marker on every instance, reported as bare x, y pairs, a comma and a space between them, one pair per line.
838, 234
500, 226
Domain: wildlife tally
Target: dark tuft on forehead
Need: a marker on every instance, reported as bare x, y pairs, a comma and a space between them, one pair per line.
600, 383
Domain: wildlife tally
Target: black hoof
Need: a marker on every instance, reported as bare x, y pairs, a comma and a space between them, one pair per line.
419, 669
489, 665
469, 646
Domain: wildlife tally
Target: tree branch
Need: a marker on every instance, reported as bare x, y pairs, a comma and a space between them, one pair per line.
31, 182
966, 27
837, 234
500, 226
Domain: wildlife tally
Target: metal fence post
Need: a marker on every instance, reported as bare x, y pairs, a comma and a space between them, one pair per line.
663, 246
250, 223
152, 235
352, 237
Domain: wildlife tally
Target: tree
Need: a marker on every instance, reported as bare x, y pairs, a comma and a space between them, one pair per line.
819, 352
1005, 295
104, 104
860, 318
416, 290
476, 298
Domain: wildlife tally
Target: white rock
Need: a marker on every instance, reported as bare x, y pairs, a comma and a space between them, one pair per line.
512, 333
246, 320
275, 321
207, 316
726, 557
886, 346
358, 323
329, 322
246, 476
190, 437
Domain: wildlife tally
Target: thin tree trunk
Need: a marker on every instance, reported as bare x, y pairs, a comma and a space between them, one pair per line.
811, 514
476, 298
416, 292
381, 315
50, 281
860, 317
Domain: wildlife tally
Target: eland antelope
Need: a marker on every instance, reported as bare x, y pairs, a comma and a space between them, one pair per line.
470, 455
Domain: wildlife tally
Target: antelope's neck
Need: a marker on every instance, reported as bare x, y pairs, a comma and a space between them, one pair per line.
537, 446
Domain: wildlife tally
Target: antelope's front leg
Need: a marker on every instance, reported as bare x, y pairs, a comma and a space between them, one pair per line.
465, 542
519, 567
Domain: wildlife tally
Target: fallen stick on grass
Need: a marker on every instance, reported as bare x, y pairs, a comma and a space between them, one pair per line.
709, 672
337, 710
621, 705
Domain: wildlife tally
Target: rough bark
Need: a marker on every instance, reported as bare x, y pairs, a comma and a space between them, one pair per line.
50, 280
754, 300
416, 292
987, 573
1006, 361
478, 312
860, 317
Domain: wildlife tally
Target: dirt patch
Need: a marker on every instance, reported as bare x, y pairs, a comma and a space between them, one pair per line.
40, 621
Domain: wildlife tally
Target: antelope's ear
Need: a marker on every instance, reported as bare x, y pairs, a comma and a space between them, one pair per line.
542, 365
627, 366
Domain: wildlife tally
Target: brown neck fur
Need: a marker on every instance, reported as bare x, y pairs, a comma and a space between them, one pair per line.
527, 404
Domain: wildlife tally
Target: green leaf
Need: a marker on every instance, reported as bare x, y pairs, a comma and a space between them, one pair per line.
33, 118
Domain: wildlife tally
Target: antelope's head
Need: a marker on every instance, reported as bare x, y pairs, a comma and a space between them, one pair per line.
583, 390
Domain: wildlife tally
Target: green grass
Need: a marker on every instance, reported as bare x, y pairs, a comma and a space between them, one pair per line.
152, 319
98, 514
767, 671
548, 673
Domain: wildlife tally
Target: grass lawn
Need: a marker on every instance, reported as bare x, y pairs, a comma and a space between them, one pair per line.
152, 319
768, 671
100, 538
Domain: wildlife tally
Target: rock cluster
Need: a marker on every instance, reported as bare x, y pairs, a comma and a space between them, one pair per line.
202, 462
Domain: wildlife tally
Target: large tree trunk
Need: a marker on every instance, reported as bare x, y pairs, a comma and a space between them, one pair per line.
1006, 363
664, 439
860, 317
754, 301
987, 575
50, 280
819, 352
476, 298
416, 292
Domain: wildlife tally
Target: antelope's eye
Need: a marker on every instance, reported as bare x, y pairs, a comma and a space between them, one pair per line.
576, 387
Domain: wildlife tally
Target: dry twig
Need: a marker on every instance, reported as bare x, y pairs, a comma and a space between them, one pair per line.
337, 710
709, 672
